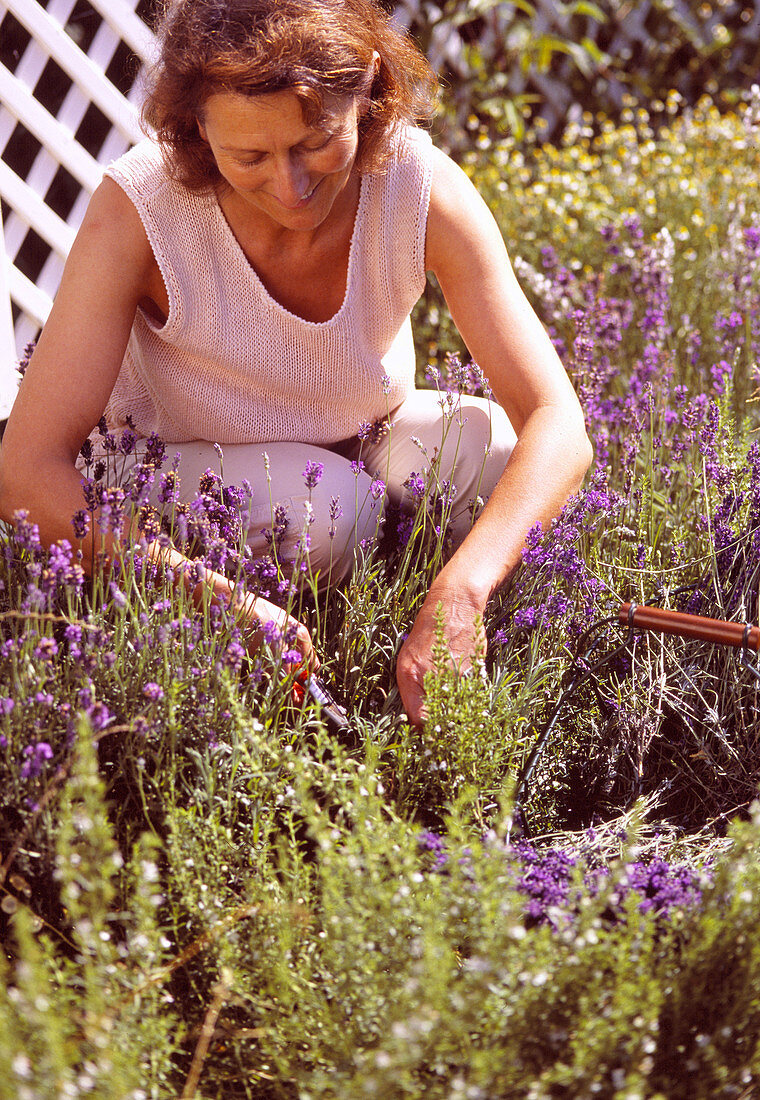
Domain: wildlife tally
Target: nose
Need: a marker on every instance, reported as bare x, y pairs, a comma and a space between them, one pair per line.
291, 181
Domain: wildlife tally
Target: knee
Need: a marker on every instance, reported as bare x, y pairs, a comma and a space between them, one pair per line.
484, 440
483, 450
343, 518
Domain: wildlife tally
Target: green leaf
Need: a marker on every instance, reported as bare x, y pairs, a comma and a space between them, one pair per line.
583, 7
594, 52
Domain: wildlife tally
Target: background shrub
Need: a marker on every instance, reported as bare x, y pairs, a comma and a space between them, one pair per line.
555, 62
206, 893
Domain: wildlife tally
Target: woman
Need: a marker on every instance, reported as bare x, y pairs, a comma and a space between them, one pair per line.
246, 280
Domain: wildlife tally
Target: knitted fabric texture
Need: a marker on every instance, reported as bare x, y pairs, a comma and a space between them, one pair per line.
232, 365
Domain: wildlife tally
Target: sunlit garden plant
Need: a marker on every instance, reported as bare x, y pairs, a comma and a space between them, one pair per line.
208, 892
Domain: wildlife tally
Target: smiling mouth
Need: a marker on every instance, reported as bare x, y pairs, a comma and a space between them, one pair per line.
304, 200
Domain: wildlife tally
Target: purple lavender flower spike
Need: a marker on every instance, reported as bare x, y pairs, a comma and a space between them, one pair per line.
312, 473
415, 483
36, 757
155, 450
272, 633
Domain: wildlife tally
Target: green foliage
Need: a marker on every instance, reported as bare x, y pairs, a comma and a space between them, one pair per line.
208, 894
473, 741
693, 176
506, 66
81, 1009
484, 51
337, 964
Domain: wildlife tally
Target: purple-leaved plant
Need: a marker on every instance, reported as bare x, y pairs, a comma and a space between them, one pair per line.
554, 880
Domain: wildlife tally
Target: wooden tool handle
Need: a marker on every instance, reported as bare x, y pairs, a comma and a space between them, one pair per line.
690, 626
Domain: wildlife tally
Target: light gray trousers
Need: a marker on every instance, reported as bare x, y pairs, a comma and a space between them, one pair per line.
467, 441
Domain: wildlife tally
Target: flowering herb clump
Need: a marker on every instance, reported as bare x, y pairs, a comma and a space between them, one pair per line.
204, 891
554, 880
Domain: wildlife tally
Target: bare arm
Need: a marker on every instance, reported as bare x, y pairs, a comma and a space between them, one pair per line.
75, 364
466, 252
110, 270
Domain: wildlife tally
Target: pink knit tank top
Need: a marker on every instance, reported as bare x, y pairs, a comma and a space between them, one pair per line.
231, 365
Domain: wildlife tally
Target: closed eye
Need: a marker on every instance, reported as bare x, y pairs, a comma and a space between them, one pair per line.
252, 160
323, 141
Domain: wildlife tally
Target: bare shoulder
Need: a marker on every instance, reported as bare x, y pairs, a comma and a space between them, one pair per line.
451, 185
109, 269
458, 218
112, 226
81, 347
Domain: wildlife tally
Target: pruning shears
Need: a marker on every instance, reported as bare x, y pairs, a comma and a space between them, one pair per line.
307, 684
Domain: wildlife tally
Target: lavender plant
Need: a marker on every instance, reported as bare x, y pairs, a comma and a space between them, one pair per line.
203, 892
83, 1003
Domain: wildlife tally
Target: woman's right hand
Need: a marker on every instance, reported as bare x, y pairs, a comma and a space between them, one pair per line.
290, 634
260, 620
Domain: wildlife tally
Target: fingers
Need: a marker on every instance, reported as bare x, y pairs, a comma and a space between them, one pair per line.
466, 643
283, 634
409, 680
303, 644
410, 686
414, 706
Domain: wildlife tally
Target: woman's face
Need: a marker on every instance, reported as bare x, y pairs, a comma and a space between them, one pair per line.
280, 166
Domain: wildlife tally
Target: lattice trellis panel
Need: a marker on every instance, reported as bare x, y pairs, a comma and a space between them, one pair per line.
69, 103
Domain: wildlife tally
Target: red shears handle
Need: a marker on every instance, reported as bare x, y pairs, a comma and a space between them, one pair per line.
305, 684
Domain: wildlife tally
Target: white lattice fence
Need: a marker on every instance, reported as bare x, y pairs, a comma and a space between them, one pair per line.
69, 103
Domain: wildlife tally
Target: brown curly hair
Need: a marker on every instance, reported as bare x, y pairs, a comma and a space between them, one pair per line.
315, 48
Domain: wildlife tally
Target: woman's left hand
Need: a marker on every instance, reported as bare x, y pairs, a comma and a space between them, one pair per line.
463, 634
